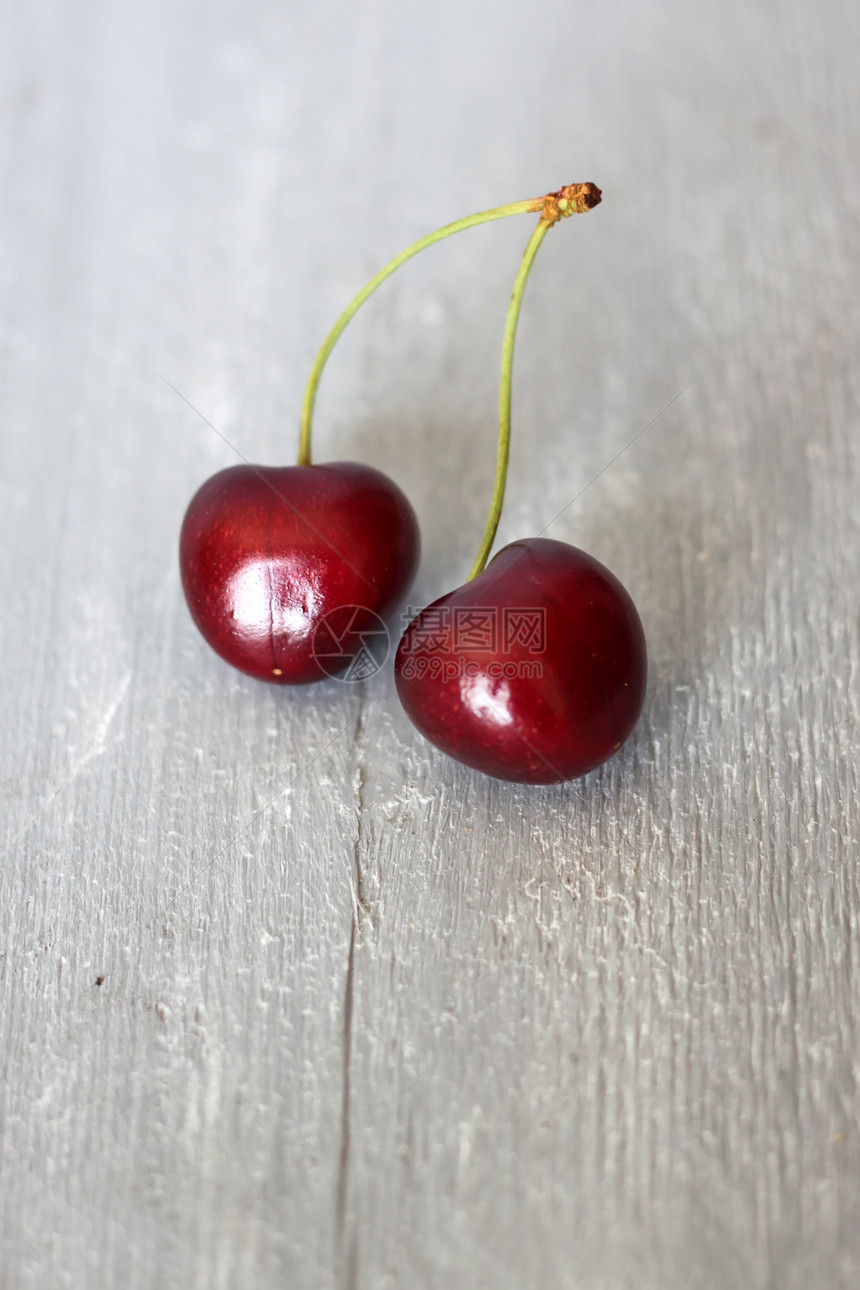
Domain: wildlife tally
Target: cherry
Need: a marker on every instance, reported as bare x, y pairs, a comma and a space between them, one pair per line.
266, 553
270, 555
533, 671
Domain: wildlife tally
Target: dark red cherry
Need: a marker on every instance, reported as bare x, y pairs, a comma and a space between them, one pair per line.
534, 671
267, 552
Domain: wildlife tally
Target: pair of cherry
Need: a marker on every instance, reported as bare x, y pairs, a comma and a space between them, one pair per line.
533, 670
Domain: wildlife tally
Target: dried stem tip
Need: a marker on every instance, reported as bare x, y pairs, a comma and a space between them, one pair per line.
573, 199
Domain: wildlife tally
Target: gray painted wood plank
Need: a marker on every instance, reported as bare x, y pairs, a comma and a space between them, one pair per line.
286, 996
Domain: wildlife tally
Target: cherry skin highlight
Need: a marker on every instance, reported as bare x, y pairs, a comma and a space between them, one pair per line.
534, 671
266, 552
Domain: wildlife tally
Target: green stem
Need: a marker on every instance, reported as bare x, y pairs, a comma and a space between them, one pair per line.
504, 445
483, 217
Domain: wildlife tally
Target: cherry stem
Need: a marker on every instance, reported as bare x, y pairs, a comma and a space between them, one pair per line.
483, 217
571, 200
503, 450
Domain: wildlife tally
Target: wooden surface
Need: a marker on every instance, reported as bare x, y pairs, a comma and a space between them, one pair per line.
367, 1019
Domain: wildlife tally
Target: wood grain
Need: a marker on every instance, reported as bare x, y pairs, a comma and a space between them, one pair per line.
286, 997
